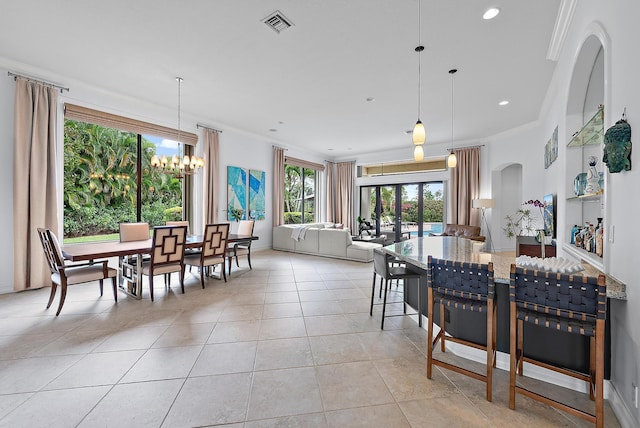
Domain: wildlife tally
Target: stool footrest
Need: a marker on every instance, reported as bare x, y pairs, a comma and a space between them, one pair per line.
556, 404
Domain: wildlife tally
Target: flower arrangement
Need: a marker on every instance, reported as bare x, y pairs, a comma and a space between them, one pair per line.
522, 223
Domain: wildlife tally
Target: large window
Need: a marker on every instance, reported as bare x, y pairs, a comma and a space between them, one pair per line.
103, 168
299, 194
403, 211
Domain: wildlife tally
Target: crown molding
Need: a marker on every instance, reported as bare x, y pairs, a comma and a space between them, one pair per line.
563, 20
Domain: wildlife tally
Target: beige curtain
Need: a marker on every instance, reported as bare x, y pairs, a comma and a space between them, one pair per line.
277, 205
465, 186
35, 200
331, 192
345, 173
211, 141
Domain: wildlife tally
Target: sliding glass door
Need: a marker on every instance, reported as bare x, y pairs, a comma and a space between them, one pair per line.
404, 211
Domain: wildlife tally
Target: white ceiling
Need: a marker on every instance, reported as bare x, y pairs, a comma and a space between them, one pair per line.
310, 82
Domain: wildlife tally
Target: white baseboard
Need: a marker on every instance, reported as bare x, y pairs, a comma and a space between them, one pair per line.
622, 412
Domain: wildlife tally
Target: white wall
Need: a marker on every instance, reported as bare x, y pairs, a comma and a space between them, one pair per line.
7, 93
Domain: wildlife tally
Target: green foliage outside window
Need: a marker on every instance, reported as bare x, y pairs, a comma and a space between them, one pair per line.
100, 181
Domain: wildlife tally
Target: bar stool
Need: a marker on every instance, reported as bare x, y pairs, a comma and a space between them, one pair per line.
469, 287
388, 269
573, 304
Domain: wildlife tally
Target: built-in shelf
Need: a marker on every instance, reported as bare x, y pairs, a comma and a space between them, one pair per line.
591, 258
591, 133
586, 198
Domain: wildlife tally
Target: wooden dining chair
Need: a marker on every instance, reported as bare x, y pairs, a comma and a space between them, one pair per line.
178, 223
167, 254
241, 248
64, 275
574, 304
214, 245
130, 232
468, 287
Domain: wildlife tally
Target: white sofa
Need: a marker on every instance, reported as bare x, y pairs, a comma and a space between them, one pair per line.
320, 240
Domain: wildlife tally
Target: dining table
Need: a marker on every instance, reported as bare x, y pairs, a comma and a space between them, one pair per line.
91, 251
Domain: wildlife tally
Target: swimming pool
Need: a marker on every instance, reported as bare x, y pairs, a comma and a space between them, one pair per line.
435, 228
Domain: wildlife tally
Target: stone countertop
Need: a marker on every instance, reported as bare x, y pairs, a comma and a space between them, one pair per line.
417, 250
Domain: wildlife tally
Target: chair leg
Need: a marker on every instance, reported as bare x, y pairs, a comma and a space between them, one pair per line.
115, 289
150, 287
373, 293
512, 357
249, 259
489, 349
54, 287
63, 295
237, 264
224, 275
203, 271
599, 373
230, 263
182, 279
101, 286
384, 303
520, 344
442, 327
429, 332
380, 295
592, 367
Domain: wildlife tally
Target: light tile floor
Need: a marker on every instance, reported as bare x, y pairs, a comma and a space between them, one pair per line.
287, 344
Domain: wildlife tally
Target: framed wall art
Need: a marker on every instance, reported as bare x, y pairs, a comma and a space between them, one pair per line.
256, 194
236, 193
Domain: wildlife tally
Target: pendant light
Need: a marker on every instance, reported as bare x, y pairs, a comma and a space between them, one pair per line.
452, 161
419, 134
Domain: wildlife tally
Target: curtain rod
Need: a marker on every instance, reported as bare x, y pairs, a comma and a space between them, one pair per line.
33, 79
346, 161
199, 125
273, 146
470, 147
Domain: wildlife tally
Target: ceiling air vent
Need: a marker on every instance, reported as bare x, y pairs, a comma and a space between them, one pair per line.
277, 22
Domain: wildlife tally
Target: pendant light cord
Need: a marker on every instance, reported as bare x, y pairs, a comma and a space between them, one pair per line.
452, 72
419, 49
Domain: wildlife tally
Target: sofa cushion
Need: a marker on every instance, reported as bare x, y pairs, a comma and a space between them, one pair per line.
310, 242
463, 231
361, 251
333, 242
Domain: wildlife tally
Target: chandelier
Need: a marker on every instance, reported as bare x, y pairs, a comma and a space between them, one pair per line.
180, 164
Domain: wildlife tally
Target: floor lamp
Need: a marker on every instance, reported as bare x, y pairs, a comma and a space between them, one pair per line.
483, 204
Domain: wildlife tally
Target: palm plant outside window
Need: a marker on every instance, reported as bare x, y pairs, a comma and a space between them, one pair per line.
100, 182
299, 195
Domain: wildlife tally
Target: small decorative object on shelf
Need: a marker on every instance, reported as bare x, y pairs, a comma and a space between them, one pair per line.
593, 177
617, 146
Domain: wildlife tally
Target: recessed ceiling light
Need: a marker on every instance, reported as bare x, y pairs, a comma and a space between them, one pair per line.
503, 103
491, 13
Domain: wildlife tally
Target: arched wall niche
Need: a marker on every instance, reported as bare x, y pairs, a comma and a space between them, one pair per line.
587, 90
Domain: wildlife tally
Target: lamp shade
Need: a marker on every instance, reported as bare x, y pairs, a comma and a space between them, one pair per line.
419, 134
452, 161
482, 203
418, 153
